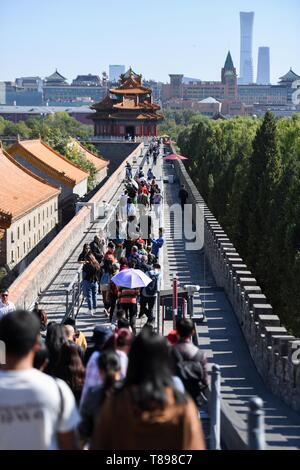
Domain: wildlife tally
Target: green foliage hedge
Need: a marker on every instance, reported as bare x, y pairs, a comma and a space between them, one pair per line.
248, 171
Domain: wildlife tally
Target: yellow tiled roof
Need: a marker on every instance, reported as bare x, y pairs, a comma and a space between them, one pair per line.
20, 189
96, 160
50, 160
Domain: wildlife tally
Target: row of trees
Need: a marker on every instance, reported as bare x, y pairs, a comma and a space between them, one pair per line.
248, 171
175, 121
57, 130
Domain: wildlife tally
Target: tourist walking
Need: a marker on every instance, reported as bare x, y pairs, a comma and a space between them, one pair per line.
43, 319
186, 352
157, 244
127, 300
42, 411
90, 270
85, 251
6, 306
98, 248
183, 196
128, 171
150, 175
80, 338
149, 294
69, 368
148, 405
123, 206
110, 372
101, 335
55, 338
157, 202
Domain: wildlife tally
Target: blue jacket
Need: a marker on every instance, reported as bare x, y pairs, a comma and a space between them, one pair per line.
156, 245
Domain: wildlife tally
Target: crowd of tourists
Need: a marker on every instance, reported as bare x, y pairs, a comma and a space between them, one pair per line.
125, 389
123, 392
127, 244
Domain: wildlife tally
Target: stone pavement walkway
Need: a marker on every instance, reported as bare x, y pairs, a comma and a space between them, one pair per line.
222, 339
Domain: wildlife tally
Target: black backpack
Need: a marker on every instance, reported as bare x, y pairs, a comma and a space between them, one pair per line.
151, 289
192, 375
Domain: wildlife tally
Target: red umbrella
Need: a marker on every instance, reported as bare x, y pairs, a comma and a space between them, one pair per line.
174, 156
169, 142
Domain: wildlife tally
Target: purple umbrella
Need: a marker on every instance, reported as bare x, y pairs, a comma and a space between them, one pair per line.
131, 278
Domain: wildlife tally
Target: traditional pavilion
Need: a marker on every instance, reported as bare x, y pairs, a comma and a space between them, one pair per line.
127, 111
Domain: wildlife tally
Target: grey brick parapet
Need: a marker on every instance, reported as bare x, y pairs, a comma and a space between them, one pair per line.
275, 352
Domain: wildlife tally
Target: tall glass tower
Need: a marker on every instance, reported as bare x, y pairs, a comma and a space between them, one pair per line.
246, 62
263, 66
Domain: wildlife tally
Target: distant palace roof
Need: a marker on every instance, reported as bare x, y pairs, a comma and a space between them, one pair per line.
48, 160
56, 77
20, 190
290, 76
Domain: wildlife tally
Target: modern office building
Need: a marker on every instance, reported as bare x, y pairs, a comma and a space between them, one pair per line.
13, 94
263, 66
30, 83
115, 71
246, 61
200, 90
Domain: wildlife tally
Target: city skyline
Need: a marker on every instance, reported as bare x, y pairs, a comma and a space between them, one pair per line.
73, 37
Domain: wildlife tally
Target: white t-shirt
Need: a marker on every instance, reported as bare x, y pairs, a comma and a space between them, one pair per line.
30, 410
6, 308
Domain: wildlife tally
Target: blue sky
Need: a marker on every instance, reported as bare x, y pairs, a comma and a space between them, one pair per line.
156, 37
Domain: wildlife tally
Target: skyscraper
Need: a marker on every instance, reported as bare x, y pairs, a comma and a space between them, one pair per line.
246, 62
263, 66
115, 71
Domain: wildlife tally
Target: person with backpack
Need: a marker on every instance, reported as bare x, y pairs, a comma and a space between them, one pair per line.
149, 412
149, 294
190, 361
127, 300
90, 272
38, 412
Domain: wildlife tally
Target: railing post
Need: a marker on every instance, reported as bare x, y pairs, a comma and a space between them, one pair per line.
256, 431
215, 409
67, 302
73, 299
175, 299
